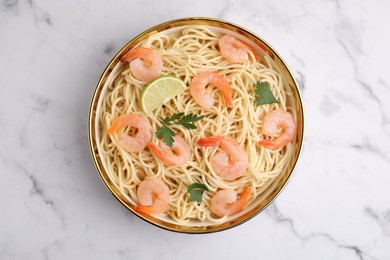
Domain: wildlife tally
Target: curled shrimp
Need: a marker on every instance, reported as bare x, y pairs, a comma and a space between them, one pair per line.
199, 93
137, 142
145, 64
234, 50
227, 168
178, 154
153, 195
225, 203
272, 122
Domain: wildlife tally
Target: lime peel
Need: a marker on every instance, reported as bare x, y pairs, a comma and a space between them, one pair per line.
160, 91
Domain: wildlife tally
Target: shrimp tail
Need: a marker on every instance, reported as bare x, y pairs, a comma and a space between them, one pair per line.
144, 209
133, 54
228, 98
243, 45
156, 150
211, 141
274, 145
114, 126
178, 154
224, 87
241, 202
268, 144
245, 195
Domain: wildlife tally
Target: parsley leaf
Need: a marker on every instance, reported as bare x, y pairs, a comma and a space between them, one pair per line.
185, 120
264, 94
196, 191
173, 117
167, 134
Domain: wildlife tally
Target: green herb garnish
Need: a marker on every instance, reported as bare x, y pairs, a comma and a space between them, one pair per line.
167, 134
196, 191
180, 119
264, 94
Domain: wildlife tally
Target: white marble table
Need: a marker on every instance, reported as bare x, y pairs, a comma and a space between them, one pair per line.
53, 204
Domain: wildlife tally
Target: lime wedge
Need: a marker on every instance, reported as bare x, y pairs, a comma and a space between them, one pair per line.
160, 91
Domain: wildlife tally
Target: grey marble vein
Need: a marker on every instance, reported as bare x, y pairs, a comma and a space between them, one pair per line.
380, 218
56, 146
36, 187
356, 250
348, 39
39, 15
384, 84
38, 191
367, 146
301, 80
10, 4
41, 102
45, 251
123, 251
109, 49
45, 17
342, 98
275, 214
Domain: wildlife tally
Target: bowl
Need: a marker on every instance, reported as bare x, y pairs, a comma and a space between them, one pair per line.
271, 189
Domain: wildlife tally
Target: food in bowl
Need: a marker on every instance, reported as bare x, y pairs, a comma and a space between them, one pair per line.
195, 123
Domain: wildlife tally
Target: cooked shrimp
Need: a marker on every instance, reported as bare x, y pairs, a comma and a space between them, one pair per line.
272, 122
178, 154
228, 168
153, 195
234, 50
225, 203
137, 142
145, 64
199, 93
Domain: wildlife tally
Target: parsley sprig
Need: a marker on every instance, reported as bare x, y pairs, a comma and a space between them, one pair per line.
264, 94
180, 119
196, 191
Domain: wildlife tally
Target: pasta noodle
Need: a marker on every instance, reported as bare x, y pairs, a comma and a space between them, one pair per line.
186, 53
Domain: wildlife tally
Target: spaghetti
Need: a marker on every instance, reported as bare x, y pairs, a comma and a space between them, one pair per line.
186, 53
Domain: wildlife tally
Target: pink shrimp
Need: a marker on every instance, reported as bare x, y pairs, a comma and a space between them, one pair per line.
199, 93
178, 154
153, 195
145, 64
234, 50
228, 168
225, 203
133, 143
271, 124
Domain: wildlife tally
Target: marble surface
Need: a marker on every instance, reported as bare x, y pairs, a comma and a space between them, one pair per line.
54, 205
